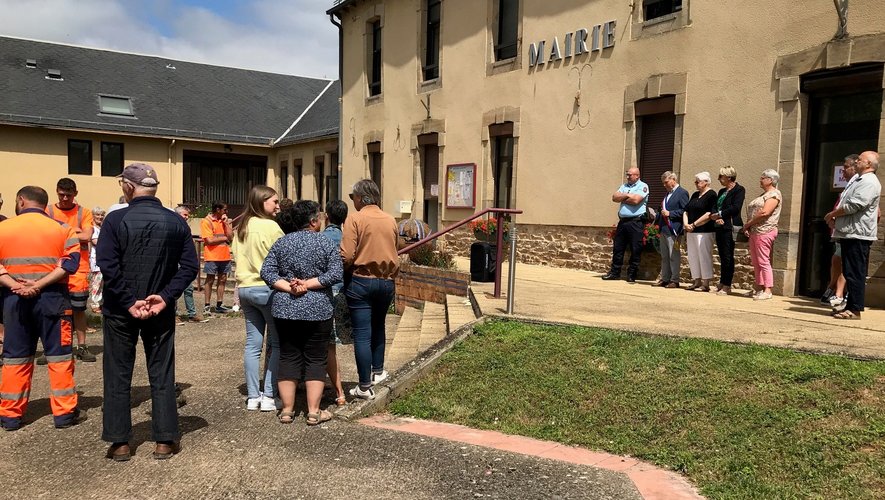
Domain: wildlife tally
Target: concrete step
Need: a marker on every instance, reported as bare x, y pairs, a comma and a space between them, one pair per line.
406, 340
459, 311
433, 325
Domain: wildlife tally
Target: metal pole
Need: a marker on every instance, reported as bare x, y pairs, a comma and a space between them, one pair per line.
511, 278
499, 252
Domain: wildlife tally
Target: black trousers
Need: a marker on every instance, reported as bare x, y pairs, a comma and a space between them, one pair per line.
158, 338
304, 348
628, 234
725, 246
855, 261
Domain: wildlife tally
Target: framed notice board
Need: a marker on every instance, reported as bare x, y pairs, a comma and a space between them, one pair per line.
461, 185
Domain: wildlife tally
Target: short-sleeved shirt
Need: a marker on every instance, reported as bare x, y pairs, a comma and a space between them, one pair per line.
78, 217
698, 206
626, 210
210, 227
770, 223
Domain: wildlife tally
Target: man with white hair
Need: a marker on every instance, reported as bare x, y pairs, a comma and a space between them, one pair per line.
855, 224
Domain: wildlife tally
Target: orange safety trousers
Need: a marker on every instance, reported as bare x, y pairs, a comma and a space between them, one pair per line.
47, 317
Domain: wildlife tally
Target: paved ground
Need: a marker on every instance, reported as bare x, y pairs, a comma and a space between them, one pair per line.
231, 453
581, 297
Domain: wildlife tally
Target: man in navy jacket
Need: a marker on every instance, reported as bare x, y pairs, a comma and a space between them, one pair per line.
147, 258
669, 219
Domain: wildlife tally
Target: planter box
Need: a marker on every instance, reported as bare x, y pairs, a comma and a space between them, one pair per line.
417, 284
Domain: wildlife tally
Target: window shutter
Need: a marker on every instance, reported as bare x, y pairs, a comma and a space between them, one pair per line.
656, 153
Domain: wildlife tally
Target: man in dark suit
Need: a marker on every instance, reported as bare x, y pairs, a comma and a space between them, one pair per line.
669, 219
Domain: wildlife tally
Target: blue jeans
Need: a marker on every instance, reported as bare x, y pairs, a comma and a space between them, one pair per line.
255, 302
368, 300
189, 301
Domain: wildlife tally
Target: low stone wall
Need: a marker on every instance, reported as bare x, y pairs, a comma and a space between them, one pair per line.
417, 284
588, 248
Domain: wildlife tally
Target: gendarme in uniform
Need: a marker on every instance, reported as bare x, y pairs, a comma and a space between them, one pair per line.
631, 224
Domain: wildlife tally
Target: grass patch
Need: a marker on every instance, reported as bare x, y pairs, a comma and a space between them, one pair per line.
739, 421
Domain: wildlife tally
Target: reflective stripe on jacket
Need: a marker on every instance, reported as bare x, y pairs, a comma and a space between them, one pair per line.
32, 245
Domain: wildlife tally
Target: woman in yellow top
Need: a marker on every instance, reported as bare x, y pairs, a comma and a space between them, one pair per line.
256, 233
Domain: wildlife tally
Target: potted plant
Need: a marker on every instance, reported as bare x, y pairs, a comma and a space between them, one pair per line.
487, 229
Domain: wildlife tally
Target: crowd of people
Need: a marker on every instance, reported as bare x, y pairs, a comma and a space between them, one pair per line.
294, 263
705, 217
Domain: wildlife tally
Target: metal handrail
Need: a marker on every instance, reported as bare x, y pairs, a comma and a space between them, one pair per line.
499, 252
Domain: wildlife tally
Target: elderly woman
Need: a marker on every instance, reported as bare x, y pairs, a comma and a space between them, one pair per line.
699, 232
96, 281
368, 247
669, 219
726, 218
302, 266
761, 228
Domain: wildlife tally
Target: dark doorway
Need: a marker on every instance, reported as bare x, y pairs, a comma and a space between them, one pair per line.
221, 176
430, 178
845, 111
502, 163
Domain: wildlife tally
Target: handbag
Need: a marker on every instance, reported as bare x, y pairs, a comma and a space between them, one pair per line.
738, 233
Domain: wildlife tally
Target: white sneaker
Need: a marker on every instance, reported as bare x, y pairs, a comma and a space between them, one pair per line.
253, 404
268, 404
377, 378
359, 393
838, 303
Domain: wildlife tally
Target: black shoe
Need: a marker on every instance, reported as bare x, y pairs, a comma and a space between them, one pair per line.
611, 276
631, 279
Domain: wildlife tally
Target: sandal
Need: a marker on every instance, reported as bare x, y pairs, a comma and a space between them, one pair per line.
286, 417
340, 401
318, 418
847, 315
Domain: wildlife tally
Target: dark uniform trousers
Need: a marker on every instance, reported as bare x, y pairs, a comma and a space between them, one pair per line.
158, 338
628, 234
855, 262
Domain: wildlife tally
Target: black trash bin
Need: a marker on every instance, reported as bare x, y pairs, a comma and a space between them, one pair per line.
482, 261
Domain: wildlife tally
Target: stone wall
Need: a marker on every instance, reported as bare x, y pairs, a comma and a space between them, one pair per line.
589, 249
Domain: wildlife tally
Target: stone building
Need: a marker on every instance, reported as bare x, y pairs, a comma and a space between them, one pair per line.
211, 131
458, 105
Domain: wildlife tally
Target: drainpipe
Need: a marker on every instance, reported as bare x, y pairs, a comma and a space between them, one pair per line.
171, 187
340, 101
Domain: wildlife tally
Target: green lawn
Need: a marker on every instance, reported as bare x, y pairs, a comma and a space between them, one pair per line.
739, 421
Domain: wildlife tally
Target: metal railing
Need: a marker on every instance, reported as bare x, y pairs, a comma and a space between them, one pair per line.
499, 252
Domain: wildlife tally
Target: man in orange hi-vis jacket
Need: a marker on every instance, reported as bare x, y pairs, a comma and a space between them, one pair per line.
37, 255
70, 212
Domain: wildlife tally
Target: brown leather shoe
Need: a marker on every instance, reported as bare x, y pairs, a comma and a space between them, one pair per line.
165, 449
672, 284
119, 452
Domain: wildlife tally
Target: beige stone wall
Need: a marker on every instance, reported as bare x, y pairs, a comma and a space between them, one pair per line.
38, 156
719, 62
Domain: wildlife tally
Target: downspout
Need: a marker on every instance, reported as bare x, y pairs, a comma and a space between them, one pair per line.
171, 176
340, 101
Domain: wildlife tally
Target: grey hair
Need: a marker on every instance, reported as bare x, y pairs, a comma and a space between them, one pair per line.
180, 209
874, 160
368, 191
771, 174
851, 160
668, 175
98, 211
702, 176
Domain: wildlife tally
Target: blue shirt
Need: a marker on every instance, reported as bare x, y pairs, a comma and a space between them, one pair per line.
627, 210
333, 232
303, 255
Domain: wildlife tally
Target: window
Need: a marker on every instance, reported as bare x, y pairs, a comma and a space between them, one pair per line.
508, 28
319, 178
657, 137
111, 159
431, 42
115, 105
284, 179
332, 180
79, 157
375, 58
653, 9
296, 167
375, 163
502, 162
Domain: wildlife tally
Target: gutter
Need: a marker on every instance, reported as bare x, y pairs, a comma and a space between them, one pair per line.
340, 103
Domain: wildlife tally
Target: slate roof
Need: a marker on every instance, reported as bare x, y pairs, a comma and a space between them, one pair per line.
170, 98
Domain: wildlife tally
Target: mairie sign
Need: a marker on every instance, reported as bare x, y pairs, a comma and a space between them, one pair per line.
602, 36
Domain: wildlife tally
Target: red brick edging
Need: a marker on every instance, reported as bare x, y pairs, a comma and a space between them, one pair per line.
651, 481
